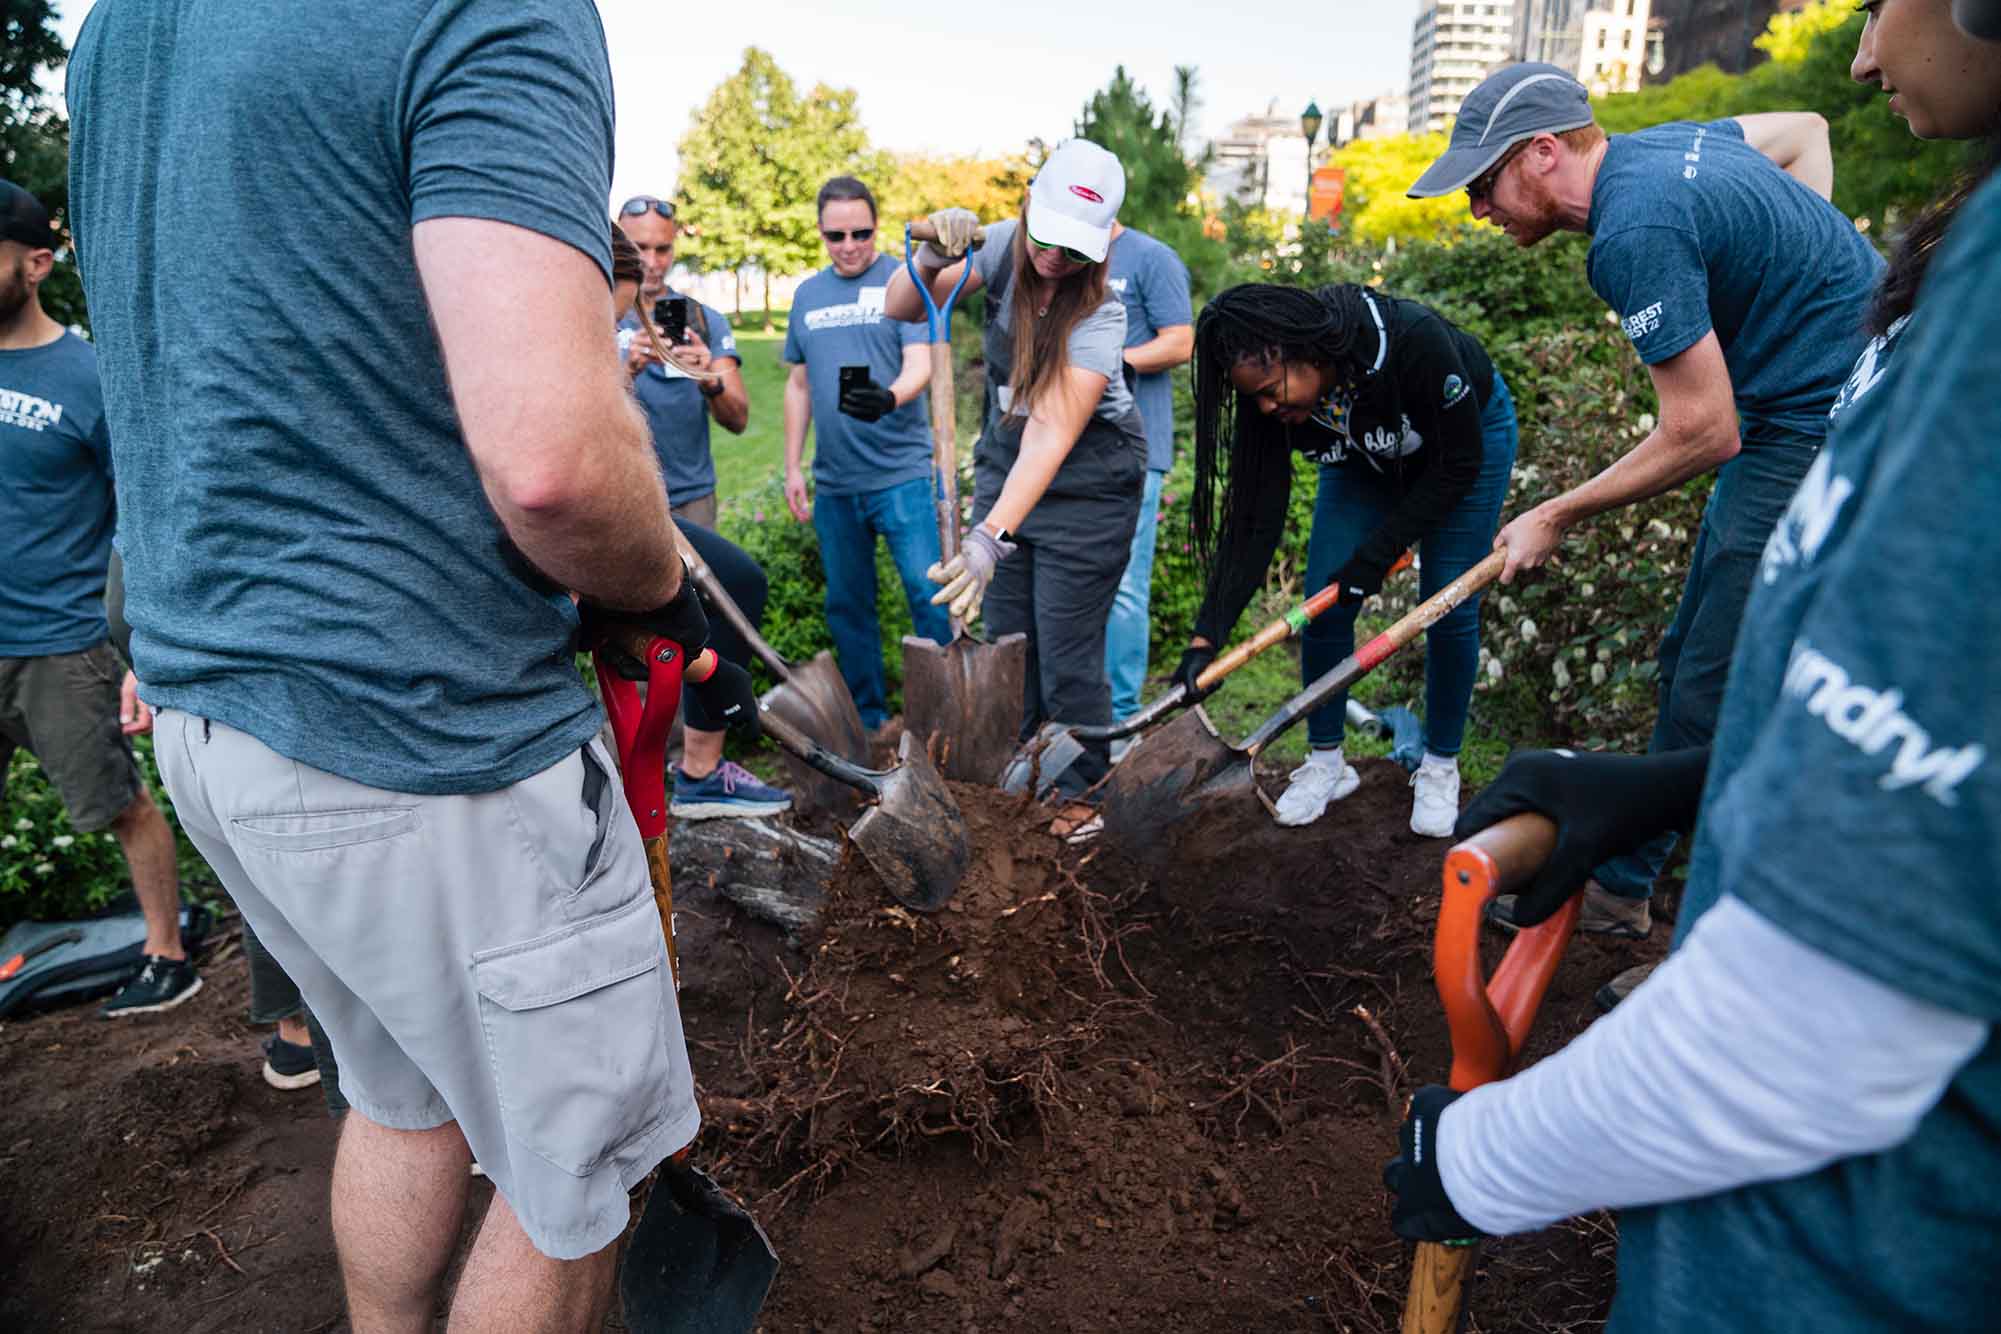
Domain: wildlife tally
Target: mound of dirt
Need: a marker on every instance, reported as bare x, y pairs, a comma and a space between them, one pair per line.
1094, 1093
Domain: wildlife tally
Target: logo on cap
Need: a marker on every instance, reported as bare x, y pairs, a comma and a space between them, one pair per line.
1086, 192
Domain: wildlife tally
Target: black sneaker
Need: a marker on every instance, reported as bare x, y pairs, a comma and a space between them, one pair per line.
1622, 986
289, 1065
160, 985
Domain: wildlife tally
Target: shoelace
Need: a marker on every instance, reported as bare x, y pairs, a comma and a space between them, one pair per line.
732, 773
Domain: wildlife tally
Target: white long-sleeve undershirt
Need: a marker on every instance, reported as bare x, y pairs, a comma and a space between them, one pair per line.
1747, 1056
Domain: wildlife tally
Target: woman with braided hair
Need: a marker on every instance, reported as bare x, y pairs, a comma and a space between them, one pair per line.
1414, 432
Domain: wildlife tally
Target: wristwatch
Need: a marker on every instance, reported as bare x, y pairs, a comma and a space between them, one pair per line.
713, 388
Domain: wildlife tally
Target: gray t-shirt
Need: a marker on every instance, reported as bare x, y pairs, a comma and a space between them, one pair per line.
55, 500
1151, 282
838, 322
1097, 344
1693, 230
677, 413
1852, 800
309, 554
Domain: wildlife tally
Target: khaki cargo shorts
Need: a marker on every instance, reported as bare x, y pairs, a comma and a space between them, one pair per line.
63, 709
494, 960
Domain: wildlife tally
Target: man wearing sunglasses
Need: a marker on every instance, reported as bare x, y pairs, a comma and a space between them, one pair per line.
679, 407
872, 440
1743, 291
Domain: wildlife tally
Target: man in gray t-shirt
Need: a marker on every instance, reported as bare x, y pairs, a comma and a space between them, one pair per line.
358, 483
1151, 282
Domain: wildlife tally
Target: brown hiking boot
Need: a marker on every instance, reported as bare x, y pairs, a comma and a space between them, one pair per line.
1622, 986
1604, 914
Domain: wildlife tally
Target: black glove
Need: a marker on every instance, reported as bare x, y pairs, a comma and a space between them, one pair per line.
867, 402
1603, 805
728, 695
1193, 662
1357, 579
680, 619
1422, 1211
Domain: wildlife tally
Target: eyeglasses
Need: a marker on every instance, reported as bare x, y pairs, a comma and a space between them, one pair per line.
1074, 256
859, 233
1483, 185
639, 204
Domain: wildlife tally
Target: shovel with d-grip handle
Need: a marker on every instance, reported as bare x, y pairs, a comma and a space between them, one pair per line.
962, 699
697, 1263
1489, 1019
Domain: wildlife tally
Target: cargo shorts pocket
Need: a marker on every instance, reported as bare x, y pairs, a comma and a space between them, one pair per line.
573, 1024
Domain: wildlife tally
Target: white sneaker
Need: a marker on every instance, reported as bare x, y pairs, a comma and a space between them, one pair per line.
1312, 788
1435, 807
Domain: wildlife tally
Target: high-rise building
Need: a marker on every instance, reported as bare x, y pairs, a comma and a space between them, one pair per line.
1453, 45
1261, 160
1380, 117
1602, 42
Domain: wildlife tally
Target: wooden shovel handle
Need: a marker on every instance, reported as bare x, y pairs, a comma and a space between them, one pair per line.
706, 580
922, 230
1285, 627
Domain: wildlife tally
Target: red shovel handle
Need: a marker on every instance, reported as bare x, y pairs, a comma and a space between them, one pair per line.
641, 728
1490, 1019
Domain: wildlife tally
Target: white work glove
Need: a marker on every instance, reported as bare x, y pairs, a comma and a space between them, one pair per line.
956, 228
967, 574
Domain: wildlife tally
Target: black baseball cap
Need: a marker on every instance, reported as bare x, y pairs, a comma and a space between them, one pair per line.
1509, 106
23, 219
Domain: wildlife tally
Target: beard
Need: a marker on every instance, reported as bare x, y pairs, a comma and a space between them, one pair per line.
14, 292
1538, 215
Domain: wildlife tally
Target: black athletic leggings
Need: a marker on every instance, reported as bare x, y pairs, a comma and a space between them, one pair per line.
743, 579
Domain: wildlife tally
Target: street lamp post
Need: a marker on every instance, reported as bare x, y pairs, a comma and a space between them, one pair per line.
1309, 125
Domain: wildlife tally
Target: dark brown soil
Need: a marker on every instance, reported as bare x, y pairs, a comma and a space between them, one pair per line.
1091, 1094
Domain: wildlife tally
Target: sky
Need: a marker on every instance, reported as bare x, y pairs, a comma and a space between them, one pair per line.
947, 79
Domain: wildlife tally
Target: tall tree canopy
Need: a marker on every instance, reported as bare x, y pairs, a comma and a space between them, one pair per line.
34, 136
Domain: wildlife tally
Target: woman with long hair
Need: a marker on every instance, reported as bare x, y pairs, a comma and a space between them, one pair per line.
1059, 469
1414, 432
1795, 1115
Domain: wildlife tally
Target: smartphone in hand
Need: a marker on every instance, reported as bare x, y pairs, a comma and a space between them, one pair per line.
670, 314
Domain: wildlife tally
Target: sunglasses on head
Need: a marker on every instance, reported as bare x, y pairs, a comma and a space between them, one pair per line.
1483, 185
1074, 256
639, 204
859, 233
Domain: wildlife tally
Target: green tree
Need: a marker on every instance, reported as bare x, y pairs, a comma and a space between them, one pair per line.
34, 136
1378, 172
1159, 180
752, 164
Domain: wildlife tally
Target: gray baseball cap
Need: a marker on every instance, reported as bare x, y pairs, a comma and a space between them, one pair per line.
1509, 106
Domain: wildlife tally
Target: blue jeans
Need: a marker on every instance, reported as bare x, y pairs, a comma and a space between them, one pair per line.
848, 526
1751, 494
1128, 631
1350, 505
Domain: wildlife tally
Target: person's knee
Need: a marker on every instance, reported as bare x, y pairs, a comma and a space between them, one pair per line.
140, 813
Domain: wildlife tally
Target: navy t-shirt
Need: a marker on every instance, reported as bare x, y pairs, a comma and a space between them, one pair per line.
1852, 800
1692, 229
1151, 282
678, 415
56, 512
838, 322
309, 554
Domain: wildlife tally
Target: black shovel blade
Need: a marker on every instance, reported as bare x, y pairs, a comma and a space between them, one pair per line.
963, 701
815, 699
1183, 771
698, 1263
915, 836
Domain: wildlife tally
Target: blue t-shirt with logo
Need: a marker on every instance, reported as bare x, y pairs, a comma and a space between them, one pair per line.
838, 322
1151, 282
1692, 229
1852, 800
310, 556
56, 511
678, 415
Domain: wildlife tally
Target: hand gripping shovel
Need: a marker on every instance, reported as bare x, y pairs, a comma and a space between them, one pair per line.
1058, 745
961, 700
698, 1263
1186, 767
914, 835
1489, 1020
812, 696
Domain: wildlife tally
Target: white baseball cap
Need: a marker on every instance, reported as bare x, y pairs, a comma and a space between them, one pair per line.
1075, 198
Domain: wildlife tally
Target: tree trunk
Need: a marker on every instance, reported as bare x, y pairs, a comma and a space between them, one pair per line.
776, 874
737, 274
767, 300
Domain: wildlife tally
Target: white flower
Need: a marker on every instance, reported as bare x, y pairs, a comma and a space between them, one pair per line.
1493, 669
1626, 532
1560, 674
1598, 673
1528, 631
1586, 590
45, 868
63, 841
9, 841
24, 823
1604, 653
1659, 528
1646, 422
1507, 606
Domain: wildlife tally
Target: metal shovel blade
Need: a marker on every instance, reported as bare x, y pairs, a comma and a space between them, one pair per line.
1183, 770
697, 1263
963, 702
1044, 760
815, 699
914, 836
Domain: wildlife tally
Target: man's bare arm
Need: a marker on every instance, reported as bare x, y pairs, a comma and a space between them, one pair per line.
1797, 141
525, 323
